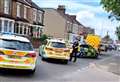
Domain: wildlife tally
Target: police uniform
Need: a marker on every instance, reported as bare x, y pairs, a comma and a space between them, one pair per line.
74, 51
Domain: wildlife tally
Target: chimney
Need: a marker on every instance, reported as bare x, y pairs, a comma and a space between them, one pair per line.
73, 16
61, 9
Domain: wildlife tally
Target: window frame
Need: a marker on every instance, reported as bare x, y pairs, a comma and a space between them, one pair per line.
34, 14
7, 6
18, 9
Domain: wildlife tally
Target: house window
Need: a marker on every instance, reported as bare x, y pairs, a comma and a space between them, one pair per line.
16, 28
5, 25
18, 9
10, 26
34, 14
21, 29
6, 6
25, 30
25, 12
40, 16
0, 25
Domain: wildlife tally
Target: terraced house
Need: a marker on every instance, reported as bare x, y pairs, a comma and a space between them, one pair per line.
59, 24
21, 17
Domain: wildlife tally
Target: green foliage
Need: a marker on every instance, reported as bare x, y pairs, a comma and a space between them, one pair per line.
43, 38
118, 32
113, 7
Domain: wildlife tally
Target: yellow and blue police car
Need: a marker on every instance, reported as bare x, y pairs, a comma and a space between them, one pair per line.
55, 49
16, 52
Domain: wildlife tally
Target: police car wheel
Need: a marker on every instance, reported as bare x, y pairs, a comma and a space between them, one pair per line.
32, 71
65, 61
39, 54
96, 56
43, 59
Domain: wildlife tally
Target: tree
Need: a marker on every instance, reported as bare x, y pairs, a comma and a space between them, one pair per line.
113, 7
43, 38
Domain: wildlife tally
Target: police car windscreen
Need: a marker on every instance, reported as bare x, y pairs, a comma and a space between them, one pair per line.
58, 45
15, 45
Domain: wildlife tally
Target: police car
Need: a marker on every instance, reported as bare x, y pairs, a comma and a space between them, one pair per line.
16, 52
55, 49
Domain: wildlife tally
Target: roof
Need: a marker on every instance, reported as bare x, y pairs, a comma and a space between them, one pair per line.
36, 6
26, 2
30, 3
69, 18
13, 37
66, 16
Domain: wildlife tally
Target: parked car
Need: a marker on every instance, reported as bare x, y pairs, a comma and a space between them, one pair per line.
111, 47
103, 47
118, 47
55, 49
16, 52
87, 51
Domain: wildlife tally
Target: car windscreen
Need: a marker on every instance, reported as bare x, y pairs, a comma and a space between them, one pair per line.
16, 45
58, 45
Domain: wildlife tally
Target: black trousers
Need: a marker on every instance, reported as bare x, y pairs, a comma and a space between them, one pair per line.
73, 55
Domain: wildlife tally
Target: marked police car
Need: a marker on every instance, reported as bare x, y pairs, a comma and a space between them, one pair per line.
16, 52
55, 49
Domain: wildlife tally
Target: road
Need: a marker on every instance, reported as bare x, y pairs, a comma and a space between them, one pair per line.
51, 71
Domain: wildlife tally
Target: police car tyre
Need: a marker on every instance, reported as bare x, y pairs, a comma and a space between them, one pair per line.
39, 54
65, 61
32, 71
43, 59
96, 56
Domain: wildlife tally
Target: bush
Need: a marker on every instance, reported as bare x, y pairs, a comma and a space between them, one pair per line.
43, 38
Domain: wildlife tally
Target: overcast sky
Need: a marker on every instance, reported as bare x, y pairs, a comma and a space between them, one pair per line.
89, 12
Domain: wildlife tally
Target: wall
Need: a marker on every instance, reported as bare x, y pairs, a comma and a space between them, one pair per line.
55, 24
1, 6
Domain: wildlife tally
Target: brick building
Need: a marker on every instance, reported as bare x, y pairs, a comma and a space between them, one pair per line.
58, 24
22, 17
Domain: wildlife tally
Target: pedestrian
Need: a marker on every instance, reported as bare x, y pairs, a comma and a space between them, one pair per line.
75, 48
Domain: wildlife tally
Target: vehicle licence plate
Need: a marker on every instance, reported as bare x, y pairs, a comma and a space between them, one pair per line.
14, 57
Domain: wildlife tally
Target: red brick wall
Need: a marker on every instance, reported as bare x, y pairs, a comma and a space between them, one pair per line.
36, 43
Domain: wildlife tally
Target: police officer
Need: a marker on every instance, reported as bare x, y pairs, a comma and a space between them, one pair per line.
74, 51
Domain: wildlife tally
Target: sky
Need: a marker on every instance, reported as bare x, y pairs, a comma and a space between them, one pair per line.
89, 13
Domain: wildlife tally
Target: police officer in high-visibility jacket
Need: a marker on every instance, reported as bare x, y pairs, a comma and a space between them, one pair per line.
74, 51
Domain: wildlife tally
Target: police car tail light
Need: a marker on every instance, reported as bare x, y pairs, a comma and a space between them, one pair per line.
31, 55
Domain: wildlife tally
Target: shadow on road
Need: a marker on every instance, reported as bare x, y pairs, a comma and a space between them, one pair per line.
11, 72
54, 61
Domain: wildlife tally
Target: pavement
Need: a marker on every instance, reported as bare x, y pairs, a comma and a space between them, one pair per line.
103, 69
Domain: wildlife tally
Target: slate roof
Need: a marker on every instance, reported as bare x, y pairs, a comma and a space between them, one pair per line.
30, 3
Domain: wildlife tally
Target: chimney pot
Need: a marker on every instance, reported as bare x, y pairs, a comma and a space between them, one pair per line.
61, 9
